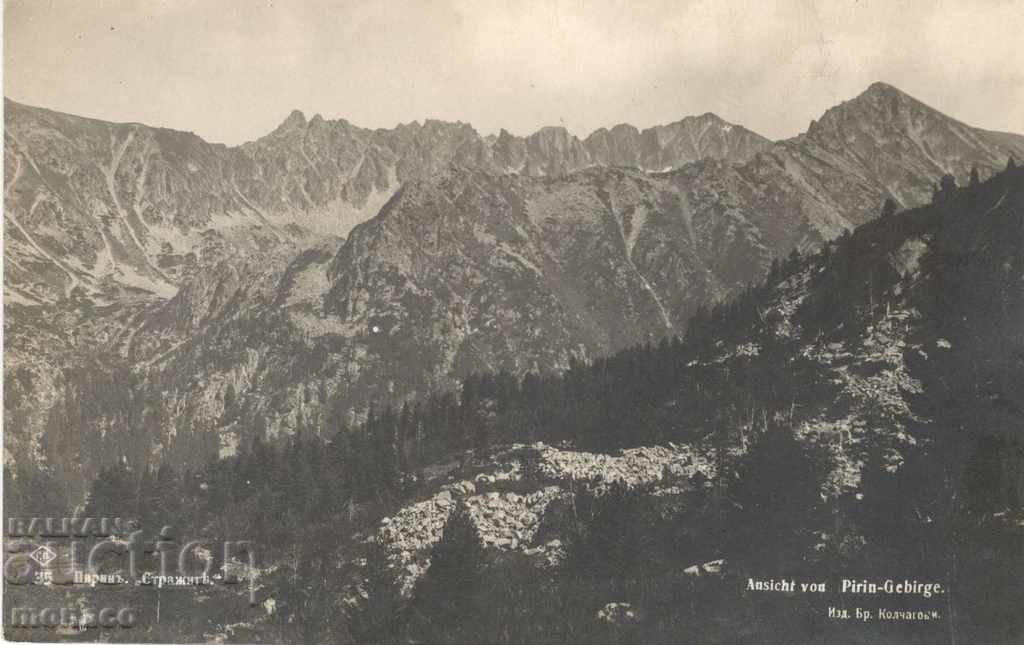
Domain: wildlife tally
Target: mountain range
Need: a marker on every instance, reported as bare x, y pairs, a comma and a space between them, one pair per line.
167, 297
110, 206
123, 207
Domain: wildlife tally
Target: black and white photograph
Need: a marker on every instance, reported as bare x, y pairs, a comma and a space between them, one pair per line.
513, 322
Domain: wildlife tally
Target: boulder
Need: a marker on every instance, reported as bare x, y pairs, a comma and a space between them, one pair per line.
618, 613
714, 566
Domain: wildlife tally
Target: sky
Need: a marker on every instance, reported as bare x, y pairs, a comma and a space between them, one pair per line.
232, 70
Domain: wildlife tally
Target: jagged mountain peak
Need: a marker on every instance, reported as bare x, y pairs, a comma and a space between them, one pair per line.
707, 116
441, 123
890, 135
295, 120
885, 96
881, 87
705, 119
709, 122
879, 106
623, 128
881, 90
549, 131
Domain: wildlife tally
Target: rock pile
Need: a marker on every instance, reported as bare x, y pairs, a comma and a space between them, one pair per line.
506, 521
510, 520
416, 527
883, 348
875, 378
633, 467
510, 472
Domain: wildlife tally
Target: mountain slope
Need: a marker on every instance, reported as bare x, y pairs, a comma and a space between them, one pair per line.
119, 208
904, 143
113, 207
860, 410
464, 269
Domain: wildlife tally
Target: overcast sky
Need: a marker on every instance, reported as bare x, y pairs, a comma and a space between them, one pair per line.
231, 70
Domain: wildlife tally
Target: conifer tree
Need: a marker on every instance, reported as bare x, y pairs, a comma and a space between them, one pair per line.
381, 618
776, 491
889, 207
113, 494
446, 595
947, 186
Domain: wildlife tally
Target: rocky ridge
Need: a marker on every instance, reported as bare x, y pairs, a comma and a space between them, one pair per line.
113, 207
870, 375
543, 474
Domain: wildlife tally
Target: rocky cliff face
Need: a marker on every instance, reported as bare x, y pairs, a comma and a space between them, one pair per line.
209, 281
115, 208
665, 147
904, 143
